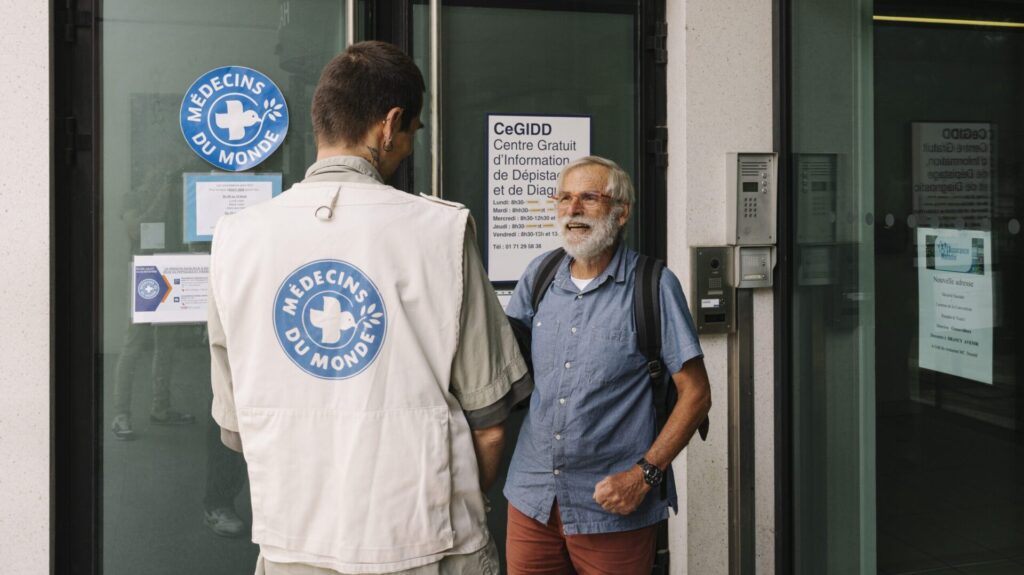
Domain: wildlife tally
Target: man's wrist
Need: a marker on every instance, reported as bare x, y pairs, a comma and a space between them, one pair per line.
652, 474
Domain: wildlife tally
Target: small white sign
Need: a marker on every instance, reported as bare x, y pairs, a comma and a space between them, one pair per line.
524, 157
170, 288
151, 235
955, 294
710, 303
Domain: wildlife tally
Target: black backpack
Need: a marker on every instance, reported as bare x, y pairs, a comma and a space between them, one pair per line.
647, 322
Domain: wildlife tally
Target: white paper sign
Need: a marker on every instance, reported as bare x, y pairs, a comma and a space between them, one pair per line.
504, 296
524, 157
208, 197
952, 173
955, 323
170, 288
216, 199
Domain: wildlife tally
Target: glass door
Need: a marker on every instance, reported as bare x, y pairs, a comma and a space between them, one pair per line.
170, 498
908, 425
949, 260
173, 498
833, 317
525, 65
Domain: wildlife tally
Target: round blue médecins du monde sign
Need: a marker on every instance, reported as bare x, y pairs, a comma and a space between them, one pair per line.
234, 117
330, 319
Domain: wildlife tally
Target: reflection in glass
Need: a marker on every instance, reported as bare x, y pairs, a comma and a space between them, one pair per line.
949, 405
174, 500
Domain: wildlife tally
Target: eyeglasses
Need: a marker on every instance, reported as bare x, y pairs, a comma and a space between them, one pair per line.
588, 199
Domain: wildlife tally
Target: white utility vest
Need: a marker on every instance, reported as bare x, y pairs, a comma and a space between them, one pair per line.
374, 472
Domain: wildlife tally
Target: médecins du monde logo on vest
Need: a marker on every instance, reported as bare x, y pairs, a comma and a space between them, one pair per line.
234, 117
330, 319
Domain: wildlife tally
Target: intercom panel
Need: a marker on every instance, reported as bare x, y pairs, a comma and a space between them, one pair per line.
751, 198
714, 296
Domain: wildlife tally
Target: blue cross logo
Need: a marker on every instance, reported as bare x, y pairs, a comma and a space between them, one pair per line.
330, 319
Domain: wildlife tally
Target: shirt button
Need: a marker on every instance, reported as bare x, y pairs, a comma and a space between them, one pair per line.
573, 330
557, 472
562, 401
538, 324
579, 296
568, 364
558, 436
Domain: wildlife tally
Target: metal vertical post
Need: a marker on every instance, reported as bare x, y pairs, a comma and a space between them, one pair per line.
741, 438
350, 22
435, 97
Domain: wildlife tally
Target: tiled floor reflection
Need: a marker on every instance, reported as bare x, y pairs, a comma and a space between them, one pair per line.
950, 495
153, 486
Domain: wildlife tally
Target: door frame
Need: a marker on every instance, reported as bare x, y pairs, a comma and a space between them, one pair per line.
76, 218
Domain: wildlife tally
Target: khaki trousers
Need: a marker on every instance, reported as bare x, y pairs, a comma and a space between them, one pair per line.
482, 562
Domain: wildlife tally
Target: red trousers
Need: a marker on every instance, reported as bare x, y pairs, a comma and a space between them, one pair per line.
533, 548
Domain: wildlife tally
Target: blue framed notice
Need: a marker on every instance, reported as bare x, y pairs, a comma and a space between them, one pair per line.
208, 197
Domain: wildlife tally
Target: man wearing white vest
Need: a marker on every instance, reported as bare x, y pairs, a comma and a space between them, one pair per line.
361, 360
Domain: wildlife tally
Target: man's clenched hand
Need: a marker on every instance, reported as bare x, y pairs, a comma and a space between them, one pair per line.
623, 492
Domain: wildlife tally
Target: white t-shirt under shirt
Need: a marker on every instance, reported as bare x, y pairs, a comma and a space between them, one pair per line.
581, 284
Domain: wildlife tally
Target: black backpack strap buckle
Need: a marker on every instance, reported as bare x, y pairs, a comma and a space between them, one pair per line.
656, 369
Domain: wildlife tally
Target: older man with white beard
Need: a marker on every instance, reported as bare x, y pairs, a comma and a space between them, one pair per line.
581, 486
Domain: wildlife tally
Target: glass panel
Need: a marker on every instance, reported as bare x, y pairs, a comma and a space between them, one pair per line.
157, 487
948, 259
833, 317
422, 151
533, 62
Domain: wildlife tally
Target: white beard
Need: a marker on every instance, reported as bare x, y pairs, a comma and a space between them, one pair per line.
586, 244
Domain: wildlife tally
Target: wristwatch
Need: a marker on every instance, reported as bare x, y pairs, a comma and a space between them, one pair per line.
652, 475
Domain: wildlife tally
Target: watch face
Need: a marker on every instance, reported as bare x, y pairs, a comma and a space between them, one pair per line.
652, 475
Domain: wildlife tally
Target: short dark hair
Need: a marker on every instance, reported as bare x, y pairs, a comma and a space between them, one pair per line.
359, 86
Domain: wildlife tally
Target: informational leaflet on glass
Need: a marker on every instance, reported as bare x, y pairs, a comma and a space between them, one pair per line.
170, 288
525, 155
955, 293
208, 197
953, 173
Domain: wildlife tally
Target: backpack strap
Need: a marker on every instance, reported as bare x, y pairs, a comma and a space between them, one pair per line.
647, 313
545, 275
647, 321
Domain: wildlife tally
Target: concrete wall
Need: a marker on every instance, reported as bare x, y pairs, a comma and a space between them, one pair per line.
719, 101
25, 290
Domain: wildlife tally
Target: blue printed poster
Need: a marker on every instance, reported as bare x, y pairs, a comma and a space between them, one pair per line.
170, 288
208, 197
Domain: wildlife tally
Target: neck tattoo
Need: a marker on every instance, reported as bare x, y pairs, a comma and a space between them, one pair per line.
374, 156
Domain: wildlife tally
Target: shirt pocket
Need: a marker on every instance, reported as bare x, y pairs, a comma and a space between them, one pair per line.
610, 354
544, 348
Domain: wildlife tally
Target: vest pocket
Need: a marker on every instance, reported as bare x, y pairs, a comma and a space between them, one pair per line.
358, 487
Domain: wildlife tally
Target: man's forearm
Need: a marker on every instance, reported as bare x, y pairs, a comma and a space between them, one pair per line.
488, 444
691, 408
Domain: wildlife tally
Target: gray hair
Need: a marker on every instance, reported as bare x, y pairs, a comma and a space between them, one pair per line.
620, 187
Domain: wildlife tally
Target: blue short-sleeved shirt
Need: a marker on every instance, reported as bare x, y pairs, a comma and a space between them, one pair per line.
591, 414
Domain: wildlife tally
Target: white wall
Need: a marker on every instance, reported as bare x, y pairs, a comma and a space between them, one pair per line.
25, 290
719, 101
